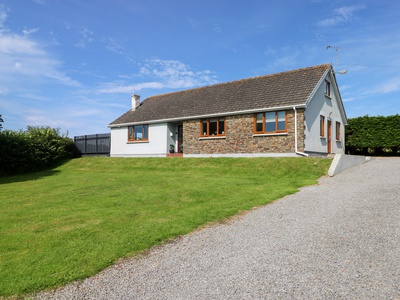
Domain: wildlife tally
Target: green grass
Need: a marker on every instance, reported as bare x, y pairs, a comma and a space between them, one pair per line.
70, 222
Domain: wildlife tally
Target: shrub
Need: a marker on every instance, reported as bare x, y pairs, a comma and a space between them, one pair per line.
373, 135
35, 149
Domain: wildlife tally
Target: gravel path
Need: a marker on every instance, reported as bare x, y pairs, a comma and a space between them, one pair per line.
336, 240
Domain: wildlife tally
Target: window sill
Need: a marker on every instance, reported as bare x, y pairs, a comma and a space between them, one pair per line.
137, 142
323, 137
328, 96
269, 134
212, 138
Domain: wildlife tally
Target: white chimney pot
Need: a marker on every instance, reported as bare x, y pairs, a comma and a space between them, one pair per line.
135, 101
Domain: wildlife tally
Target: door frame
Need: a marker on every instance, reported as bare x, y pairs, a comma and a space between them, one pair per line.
180, 137
329, 137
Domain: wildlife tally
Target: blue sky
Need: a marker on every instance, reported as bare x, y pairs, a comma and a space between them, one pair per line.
73, 64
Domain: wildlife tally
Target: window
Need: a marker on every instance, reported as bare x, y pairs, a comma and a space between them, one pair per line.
337, 131
138, 133
322, 126
212, 127
270, 122
327, 88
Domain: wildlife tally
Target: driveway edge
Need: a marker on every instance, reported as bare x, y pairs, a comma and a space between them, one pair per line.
342, 162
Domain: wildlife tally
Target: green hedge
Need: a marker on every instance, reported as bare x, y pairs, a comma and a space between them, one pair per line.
373, 135
35, 149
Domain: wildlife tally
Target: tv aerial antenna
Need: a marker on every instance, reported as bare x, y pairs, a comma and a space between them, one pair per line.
337, 50
336, 62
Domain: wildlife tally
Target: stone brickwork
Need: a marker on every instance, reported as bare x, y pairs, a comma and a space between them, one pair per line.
240, 137
300, 129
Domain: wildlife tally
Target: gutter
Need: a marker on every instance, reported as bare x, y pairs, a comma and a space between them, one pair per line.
295, 134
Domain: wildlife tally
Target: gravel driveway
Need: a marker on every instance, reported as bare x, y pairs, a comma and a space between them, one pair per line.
336, 240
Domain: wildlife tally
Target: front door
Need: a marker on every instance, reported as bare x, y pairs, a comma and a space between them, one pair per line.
180, 138
329, 136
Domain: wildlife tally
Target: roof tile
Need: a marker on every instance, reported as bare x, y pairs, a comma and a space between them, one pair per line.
262, 92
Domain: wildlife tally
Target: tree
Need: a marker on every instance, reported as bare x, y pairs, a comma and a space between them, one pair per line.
1, 121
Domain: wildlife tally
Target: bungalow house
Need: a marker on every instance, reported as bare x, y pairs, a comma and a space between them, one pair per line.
294, 113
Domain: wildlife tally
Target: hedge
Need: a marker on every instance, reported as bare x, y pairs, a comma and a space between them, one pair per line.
373, 135
35, 149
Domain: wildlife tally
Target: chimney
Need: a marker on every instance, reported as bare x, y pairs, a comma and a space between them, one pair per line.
135, 101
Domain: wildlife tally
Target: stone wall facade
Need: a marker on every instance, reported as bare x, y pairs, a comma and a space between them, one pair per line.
240, 137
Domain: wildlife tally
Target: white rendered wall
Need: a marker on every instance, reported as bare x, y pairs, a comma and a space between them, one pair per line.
328, 107
157, 145
172, 136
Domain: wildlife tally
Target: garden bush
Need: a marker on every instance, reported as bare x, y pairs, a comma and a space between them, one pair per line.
373, 135
35, 149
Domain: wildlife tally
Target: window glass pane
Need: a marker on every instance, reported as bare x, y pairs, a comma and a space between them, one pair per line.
130, 133
213, 126
281, 120
337, 130
322, 126
221, 126
204, 128
270, 121
259, 120
139, 132
146, 132
327, 88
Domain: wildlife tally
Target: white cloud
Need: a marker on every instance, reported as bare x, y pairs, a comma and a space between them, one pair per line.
30, 31
3, 18
86, 37
22, 59
119, 88
19, 45
113, 46
173, 71
390, 86
348, 99
283, 58
167, 74
343, 14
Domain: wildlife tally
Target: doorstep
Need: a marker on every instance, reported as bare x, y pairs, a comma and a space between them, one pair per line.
174, 154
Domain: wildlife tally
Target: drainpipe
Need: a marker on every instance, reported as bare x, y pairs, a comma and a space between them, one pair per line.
295, 134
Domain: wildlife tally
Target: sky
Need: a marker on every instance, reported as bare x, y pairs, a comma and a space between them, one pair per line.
74, 64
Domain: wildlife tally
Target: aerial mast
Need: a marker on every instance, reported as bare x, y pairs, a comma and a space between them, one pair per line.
336, 62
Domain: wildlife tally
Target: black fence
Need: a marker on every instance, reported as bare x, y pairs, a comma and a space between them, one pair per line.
93, 144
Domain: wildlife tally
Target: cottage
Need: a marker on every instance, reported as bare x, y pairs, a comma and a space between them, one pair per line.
292, 113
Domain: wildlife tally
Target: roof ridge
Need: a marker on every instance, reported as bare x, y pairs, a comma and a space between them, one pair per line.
239, 80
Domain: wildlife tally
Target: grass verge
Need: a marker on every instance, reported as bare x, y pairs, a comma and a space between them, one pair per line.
68, 223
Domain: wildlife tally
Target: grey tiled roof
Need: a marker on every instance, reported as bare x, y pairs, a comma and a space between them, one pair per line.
262, 92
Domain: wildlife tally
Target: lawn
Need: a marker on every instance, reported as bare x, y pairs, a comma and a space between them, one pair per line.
70, 222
